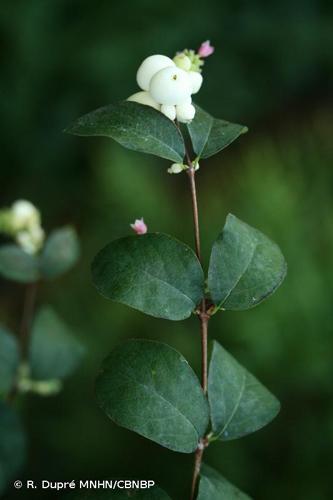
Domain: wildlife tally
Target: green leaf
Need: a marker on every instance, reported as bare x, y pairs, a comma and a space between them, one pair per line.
239, 403
54, 352
136, 127
153, 273
213, 486
60, 253
17, 265
9, 360
210, 135
149, 388
153, 493
245, 266
12, 446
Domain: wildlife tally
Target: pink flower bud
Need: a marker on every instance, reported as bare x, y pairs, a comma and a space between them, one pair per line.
206, 49
139, 226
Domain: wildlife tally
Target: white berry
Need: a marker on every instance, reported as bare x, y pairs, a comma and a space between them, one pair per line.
196, 81
144, 98
24, 214
149, 67
169, 111
170, 86
185, 112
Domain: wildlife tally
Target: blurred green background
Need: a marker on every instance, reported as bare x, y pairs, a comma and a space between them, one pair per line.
273, 71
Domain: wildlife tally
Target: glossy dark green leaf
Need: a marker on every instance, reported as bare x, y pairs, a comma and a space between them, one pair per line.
54, 351
213, 486
17, 265
149, 388
245, 266
12, 446
210, 135
153, 273
136, 127
9, 360
239, 403
153, 493
60, 253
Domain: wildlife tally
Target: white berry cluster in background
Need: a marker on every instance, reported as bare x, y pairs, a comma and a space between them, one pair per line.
168, 84
22, 222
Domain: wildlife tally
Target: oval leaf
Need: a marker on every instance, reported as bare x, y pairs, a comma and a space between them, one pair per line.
12, 446
210, 135
17, 265
214, 486
149, 388
153, 273
9, 360
134, 126
60, 253
245, 266
54, 351
239, 403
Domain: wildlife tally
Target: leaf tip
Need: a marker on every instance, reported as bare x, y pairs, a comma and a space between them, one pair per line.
70, 129
231, 216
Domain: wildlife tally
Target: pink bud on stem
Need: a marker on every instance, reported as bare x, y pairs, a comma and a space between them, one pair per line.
139, 226
206, 49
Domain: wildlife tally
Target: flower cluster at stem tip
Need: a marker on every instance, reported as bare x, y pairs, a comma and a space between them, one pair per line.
168, 84
22, 221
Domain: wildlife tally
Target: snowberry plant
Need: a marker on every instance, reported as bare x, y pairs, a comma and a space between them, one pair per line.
147, 386
42, 352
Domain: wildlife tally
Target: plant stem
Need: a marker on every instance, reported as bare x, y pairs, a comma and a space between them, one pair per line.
203, 315
27, 316
25, 328
191, 175
204, 318
196, 470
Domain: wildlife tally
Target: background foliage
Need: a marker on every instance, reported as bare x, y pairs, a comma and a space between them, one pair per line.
273, 70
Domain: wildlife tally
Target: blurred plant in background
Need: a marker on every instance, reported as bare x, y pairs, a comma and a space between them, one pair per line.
44, 351
22, 222
61, 59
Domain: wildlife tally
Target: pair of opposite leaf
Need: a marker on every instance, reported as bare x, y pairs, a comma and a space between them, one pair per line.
161, 276
141, 387
58, 255
142, 383
143, 129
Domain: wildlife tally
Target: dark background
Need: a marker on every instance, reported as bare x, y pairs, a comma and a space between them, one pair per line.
273, 71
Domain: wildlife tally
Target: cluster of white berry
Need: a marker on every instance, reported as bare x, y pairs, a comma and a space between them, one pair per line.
168, 85
23, 222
